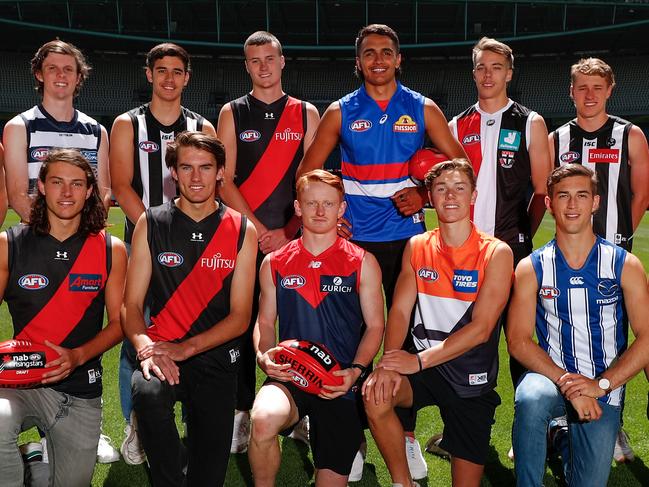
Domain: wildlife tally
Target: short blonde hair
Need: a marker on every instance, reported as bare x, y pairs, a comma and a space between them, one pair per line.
593, 66
457, 164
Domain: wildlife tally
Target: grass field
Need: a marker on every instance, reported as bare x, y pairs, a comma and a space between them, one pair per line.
297, 469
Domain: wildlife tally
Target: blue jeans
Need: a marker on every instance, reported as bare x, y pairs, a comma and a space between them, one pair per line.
586, 451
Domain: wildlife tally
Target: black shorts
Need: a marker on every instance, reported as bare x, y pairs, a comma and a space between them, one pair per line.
335, 430
467, 421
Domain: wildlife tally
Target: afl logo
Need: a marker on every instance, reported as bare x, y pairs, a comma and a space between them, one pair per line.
39, 154
148, 146
471, 139
298, 379
568, 157
33, 282
549, 292
360, 125
293, 282
170, 259
250, 136
427, 274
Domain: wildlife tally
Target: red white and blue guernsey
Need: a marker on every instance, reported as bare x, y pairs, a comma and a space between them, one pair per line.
375, 147
581, 320
317, 296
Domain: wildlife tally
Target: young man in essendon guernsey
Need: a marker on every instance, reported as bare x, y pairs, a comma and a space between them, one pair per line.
315, 310
64, 244
457, 278
265, 134
617, 151
196, 258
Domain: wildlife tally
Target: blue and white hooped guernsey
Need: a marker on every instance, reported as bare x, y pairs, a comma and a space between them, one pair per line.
581, 321
375, 148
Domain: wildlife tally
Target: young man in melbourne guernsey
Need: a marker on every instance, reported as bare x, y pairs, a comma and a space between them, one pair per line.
322, 312
578, 293
140, 179
379, 127
196, 258
80, 270
457, 278
60, 70
265, 134
617, 151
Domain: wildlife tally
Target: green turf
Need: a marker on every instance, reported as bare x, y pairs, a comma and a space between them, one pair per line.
297, 468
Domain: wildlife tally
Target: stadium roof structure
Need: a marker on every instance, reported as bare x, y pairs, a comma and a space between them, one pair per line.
328, 27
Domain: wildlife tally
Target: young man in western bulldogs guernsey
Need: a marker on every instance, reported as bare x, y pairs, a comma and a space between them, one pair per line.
339, 292
41, 265
196, 259
578, 293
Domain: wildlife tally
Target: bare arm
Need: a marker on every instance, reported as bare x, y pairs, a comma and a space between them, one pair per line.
541, 166
103, 170
639, 161
208, 128
4, 264
16, 172
326, 138
3, 189
372, 304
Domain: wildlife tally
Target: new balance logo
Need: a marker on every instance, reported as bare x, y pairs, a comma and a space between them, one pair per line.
577, 281
314, 264
197, 237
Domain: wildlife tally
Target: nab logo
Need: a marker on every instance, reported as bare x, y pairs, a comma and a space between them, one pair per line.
360, 125
568, 157
250, 136
427, 274
148, 146
293, 282
471, 139
576, 281
33, 282
549, 292
170, 259
40, 154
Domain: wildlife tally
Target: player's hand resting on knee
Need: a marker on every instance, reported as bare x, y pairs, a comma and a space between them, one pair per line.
175, 351
587, 408
400, 361
381, 385
163, 367
70, 359
274, 370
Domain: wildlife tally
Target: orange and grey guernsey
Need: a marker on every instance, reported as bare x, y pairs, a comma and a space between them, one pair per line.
448, 284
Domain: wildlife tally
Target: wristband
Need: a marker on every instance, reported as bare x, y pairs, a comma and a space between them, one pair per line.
421, 366
358, 366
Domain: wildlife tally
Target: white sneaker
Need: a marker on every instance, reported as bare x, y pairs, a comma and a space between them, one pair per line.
44, 448
32, 452
132, 450
240, 432
106, 452
623, 451
356, 473
301, 431
416, 463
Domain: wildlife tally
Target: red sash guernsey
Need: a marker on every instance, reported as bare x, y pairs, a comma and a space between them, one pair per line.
273, 165
468, 125
203, 283
58, 318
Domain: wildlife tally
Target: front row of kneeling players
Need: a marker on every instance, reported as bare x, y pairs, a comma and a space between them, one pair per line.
196, 257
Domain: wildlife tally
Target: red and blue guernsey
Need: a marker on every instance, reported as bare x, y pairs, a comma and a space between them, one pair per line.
375, 146
317, 296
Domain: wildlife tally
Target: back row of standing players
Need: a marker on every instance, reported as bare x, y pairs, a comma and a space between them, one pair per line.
267, 133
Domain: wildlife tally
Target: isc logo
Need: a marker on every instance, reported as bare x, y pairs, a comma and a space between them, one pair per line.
170, 259
471, 139
549, 292
148, 146
360, 125
567, 157
427, 274
249, 136
39, 154
33, 282
293, 282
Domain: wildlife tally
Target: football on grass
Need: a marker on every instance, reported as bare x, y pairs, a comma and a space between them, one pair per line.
312, 364
421, 162
22, 362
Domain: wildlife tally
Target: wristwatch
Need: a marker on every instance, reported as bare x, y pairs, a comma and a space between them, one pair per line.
604, 384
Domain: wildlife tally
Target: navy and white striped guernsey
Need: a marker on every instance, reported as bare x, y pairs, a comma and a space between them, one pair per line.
581, 320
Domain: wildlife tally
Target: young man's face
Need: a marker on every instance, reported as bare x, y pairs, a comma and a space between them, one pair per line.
65, 189
196, 175
264, 64
320, 206
378, 59
168, 78
451, 196
491, 74
59, 75
572, 204
590, 93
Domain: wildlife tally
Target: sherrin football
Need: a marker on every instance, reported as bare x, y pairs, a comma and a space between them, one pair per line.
312, 364
22, 362
422, 161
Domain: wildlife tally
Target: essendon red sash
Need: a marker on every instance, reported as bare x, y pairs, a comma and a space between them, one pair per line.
467, 126
56, 320
203, 282
277, 158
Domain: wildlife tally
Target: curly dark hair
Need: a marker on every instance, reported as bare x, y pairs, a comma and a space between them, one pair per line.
93, 214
